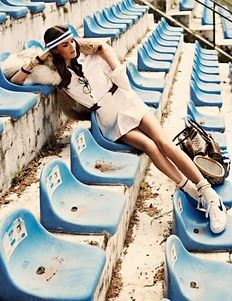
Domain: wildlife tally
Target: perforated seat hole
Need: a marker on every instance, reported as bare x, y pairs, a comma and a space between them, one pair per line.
40, 270
74, 209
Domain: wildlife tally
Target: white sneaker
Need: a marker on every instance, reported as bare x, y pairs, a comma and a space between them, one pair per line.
216, 211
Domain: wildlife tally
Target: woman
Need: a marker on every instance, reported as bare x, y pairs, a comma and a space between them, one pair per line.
99, 82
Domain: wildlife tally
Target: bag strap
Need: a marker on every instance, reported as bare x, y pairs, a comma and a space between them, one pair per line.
201, 131
187, 129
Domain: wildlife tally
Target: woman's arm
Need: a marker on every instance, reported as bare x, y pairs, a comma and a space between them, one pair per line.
20, 76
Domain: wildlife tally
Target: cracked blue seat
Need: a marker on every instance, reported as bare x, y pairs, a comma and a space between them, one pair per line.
161, 49
192, 278
157, 56
93, 30
204, 99
114, 19
145, 63
143, 82
186, 5
210, 88
103, 141
207, 122
103, 22
12, 11
92, 164
33, 7
171, 28
204, 77
150, 98
67, 205
16, 104
3, 17
8, 85
192, 227
36, 265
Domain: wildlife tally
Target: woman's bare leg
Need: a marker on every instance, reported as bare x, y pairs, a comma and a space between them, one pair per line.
152, 128
140, 141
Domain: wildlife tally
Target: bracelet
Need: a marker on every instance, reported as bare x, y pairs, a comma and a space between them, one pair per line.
39, 60
25, 71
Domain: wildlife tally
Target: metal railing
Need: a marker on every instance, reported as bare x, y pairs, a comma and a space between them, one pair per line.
215, 4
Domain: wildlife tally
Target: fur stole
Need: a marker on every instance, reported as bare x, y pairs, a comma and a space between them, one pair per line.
45, 74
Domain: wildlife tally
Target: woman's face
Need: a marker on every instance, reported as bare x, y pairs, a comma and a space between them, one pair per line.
67, 49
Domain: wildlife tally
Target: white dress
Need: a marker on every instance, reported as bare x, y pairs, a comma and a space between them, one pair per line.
118, 113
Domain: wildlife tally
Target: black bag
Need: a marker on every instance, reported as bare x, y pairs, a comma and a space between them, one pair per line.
195, 141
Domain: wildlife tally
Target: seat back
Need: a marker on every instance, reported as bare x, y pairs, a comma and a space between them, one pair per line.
73, 30
33, 43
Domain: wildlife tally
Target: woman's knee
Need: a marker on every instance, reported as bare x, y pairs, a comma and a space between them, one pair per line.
165, 146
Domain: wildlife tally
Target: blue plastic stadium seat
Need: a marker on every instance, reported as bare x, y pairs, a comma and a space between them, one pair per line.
186, 5
116, 11
93, 30
171, 28
205, 61
114, 19
6, 84
162, 42
192, 227
207, 87
33, 44
16, 104
169, 32
35, 265
73, 30
126, 12
161, 49
207, 122
205, 68
134, 5
192, 278
204, 99
1, 127
145, 63
143, 82
33, 7
207, 17
3, 17
126, 6
205, 51
166, 36
150, 98
157, 56
103, 22
104, 142
204, 77
13, 12
67, 205
90, 163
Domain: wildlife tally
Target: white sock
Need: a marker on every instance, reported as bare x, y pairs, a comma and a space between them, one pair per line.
208, 193
188, 187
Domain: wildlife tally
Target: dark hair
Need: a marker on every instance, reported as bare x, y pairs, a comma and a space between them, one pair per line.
51, 34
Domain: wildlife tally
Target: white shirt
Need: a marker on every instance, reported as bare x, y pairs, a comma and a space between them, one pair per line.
100, 78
